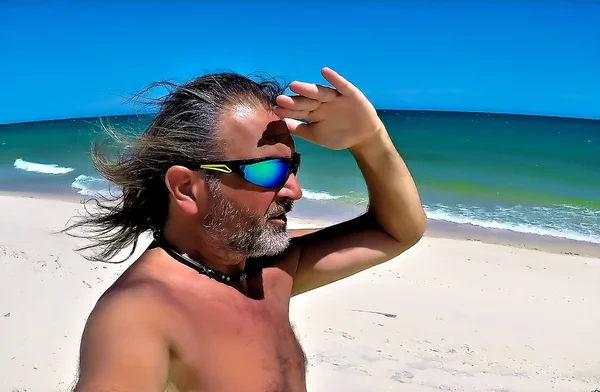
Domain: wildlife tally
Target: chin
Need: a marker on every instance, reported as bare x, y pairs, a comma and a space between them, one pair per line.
271, 244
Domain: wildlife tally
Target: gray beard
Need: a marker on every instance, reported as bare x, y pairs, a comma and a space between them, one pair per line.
236, 230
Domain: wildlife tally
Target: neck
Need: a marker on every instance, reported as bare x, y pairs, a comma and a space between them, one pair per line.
195, 246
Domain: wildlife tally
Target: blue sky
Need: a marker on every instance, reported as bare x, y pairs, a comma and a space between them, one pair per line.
60, 60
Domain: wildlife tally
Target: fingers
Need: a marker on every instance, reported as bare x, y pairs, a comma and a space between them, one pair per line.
314, 91
289, 113
297, 103
298, 107
322, 93
307, 104
294, 126
299, 128
304, 130
337, 81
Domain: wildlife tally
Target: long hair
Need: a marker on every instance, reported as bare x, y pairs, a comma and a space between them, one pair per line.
185, 131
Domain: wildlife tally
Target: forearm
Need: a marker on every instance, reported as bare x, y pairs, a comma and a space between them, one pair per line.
393, 197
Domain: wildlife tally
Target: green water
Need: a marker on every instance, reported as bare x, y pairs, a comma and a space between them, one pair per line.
524, 173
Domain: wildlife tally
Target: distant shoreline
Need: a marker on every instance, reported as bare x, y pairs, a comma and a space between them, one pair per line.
517, 180
436, 229
381, 110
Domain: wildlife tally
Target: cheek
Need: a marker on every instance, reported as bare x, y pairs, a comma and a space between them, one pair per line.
248, 197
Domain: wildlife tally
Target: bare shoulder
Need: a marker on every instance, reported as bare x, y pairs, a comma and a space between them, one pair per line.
125, 345
137, 300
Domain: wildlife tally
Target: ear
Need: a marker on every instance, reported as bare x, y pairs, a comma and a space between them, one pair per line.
182, 184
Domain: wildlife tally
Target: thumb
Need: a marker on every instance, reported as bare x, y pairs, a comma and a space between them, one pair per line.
296, 127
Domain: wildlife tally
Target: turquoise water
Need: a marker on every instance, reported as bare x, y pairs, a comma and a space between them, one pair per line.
524, 173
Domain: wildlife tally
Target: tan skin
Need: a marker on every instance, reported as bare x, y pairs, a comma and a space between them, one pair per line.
162, 326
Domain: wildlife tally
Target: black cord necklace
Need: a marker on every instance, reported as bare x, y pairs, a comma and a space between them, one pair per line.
201, 269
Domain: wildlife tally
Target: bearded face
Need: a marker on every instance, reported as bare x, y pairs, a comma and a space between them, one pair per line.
241, 231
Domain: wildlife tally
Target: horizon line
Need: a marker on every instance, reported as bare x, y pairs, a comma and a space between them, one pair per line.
597, 119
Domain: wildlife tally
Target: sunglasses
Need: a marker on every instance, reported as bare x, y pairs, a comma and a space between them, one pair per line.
265, 172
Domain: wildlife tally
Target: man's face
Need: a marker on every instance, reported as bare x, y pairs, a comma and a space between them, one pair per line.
244, 217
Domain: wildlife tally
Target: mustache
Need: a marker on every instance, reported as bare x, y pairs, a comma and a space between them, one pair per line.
284, 207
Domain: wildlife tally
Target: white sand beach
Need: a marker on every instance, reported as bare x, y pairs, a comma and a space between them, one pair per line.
449, 314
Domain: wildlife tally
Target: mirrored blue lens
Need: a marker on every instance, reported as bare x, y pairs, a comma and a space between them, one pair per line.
269, 174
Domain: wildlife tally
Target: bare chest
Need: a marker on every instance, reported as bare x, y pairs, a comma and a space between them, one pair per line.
239, 344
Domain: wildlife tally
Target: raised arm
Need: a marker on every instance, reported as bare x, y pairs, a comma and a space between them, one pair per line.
342, 117
123, 348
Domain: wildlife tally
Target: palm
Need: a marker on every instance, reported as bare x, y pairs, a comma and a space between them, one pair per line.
337, 118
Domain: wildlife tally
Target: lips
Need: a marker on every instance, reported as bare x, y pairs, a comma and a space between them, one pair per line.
281, 210
282, 217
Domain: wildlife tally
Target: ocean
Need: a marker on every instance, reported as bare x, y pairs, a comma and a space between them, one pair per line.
528, 174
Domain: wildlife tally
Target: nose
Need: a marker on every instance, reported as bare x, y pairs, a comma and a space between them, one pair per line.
291, 189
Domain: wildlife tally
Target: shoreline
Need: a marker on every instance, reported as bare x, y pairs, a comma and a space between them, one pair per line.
472, 233
435, 229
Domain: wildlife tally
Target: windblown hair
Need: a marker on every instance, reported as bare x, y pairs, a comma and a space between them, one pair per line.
183, 132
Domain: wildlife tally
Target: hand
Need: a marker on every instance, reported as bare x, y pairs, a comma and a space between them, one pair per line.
338, 117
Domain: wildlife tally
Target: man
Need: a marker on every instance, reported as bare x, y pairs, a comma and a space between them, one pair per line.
205, 307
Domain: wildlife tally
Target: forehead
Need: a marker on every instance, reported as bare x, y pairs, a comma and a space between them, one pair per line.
250, 131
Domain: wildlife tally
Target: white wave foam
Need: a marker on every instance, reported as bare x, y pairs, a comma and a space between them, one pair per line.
520, 224
318, 195
91, 186
41, 167
569, 222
